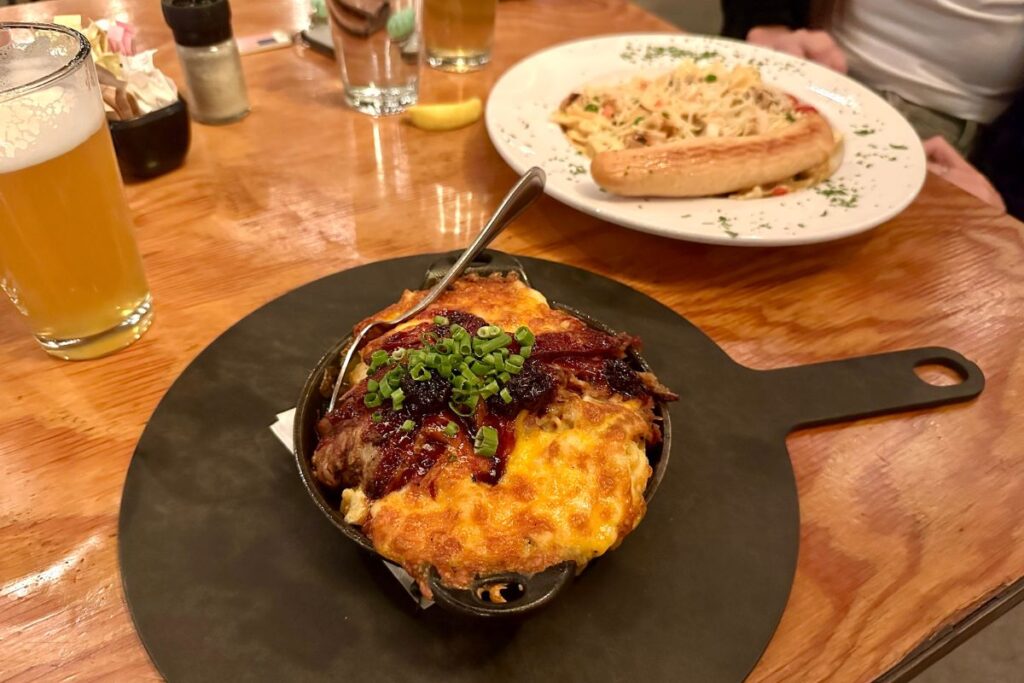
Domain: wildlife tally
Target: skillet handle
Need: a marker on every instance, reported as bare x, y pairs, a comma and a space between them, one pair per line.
523, 593
488, 262
854, 388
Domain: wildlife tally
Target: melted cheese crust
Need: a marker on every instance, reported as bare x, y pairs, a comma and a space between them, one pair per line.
572, 489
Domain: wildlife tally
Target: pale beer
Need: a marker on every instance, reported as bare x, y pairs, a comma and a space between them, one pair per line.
458, 34
68, 258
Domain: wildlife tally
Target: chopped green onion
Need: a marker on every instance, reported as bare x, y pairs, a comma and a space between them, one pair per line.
457, 331
377, 416
496, 343
514, 364
377, 359
498, 361
486, 442
460, 409
505, 395
526, 351
445, 369
372, 400
433, 360
504, 377
524, 336
398, 354
372, 385
488, 332
451, 429
489, 389
440, 320
397, 397
710, 78
464, 346
420, 373
408, 426
468, 373
479, 368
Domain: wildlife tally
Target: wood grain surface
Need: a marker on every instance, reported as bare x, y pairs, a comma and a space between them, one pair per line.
908, 521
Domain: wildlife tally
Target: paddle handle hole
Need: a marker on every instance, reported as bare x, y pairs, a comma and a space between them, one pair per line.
939, 372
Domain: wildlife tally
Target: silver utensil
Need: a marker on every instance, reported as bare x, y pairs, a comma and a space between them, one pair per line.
522, 194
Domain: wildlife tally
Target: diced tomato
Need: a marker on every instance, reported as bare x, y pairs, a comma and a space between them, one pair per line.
607, 111
779, 191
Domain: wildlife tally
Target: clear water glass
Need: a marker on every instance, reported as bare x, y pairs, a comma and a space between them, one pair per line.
377, 47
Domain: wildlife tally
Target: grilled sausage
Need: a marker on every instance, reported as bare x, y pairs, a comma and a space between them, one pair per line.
705, 166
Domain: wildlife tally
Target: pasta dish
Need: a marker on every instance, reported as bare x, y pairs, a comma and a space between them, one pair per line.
696, 107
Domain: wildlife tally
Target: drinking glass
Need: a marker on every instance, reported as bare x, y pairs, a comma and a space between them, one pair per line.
378, 50
68, 259
458, 34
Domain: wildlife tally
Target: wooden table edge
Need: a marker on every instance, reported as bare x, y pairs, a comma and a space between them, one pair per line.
953, 635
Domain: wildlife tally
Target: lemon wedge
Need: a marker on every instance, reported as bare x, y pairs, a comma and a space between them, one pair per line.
445, 116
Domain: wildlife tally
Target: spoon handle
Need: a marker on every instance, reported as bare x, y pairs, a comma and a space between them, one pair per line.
522, 194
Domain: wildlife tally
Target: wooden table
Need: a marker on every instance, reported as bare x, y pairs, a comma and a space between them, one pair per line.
911, 523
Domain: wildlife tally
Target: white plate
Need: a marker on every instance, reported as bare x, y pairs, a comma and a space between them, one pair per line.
882, 170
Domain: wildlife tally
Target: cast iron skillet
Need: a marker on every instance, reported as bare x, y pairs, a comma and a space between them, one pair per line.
521, 593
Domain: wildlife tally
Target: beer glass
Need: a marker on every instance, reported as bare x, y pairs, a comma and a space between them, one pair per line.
68, 259
458, 34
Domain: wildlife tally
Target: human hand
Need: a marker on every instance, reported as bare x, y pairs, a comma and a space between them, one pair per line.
817, 46
945, 161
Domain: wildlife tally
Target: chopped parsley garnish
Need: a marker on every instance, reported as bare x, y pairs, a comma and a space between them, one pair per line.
864, 131
790, 117
898, 146
710, 78
591, 107
838, 194
638, 120
726, 224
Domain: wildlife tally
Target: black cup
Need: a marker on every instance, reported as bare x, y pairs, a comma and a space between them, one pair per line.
154, 143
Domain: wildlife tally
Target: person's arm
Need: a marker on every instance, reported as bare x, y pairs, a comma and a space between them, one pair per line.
740, 16
944, 161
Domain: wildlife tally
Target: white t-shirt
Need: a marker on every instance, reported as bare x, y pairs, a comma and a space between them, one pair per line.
961, 57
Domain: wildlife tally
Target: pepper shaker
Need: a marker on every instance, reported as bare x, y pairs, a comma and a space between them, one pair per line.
209, 57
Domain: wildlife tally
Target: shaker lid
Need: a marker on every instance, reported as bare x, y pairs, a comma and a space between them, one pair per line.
197, 23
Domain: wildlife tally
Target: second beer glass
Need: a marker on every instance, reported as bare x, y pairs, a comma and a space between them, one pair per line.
458, 34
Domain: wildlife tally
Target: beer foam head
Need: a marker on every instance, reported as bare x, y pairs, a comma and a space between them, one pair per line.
42, 124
